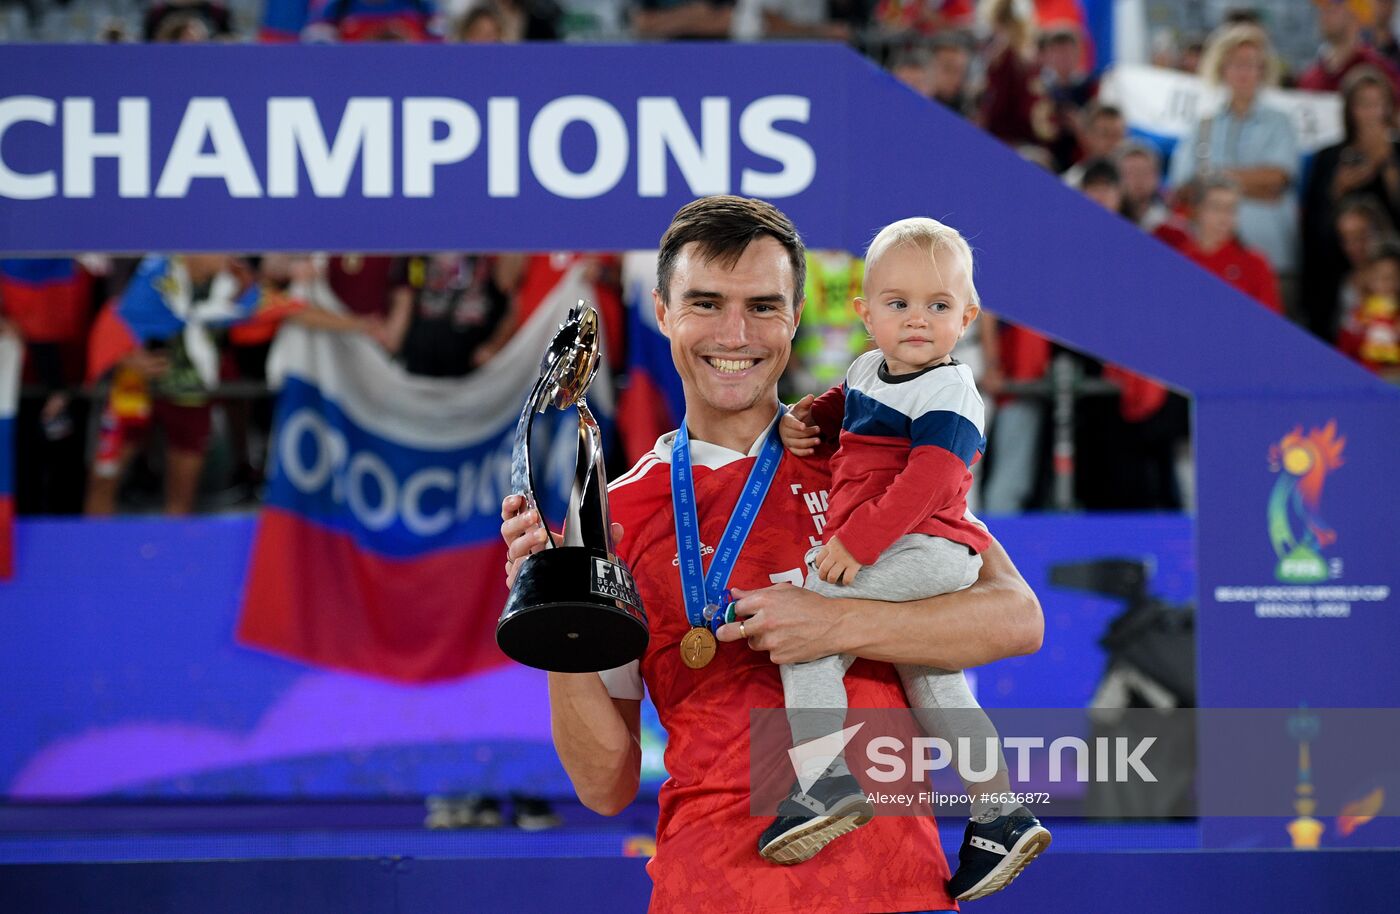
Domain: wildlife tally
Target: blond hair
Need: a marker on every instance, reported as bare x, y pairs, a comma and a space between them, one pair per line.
925, 234
1226, 40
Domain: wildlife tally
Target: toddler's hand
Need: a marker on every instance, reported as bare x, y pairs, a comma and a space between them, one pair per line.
835, 565
797, 436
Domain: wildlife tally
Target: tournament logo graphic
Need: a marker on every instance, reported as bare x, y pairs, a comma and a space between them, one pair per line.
1298, 534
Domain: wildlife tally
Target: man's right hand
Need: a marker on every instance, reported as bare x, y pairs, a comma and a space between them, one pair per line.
524, 534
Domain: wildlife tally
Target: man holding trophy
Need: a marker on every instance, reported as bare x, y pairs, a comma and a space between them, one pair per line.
718, 506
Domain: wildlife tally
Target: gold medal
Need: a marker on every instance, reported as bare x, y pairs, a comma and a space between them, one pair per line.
698, 648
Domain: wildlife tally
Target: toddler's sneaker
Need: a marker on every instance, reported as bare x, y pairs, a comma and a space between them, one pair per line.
994, 853
810, 820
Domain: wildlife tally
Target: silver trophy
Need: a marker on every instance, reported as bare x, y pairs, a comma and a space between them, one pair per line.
574, 606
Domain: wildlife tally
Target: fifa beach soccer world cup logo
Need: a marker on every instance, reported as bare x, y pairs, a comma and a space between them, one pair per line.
1298, 534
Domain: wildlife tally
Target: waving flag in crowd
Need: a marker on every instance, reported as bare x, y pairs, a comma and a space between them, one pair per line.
159, 306
653, 400
378, 549
11, 353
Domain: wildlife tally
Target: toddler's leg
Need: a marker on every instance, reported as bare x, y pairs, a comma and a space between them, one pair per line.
946, 708
815, 695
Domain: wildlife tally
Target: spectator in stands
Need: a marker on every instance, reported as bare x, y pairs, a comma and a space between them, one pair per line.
160, 344
1215, 245
1140, 168
541, 275
1361, 224
1343, 49
1370, 331
823, 20
914, 67
289, 287
165, 379
1382, 36
1070, 89
480, 25
191, 21
922, 17
363, 283
952, 69
1102, 136
1366, 163
370, 20
1146, 422
1192, 50
46, 303
1016, 445
1102, 183
453, 311
1014, 108
1252, 143
1165, 53
682, 19
528, 20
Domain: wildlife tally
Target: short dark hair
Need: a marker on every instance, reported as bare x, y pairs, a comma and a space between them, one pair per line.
1367, 208
1063, 34
1386, 247
1097, 109
724, 226
1099, 171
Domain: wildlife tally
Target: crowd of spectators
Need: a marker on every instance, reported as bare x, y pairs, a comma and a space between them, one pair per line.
1315, 242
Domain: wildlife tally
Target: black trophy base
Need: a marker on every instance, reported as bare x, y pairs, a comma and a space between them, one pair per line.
572, 610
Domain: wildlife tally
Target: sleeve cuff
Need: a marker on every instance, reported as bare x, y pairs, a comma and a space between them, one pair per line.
624, 681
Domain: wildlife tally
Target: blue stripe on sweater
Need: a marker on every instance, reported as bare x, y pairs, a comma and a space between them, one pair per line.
951, 431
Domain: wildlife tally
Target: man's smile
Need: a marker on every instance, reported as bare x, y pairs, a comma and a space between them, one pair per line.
730, 365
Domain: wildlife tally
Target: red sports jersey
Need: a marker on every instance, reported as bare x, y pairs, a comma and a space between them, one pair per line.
707, 858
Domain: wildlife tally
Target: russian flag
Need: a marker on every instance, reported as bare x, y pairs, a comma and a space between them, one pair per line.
46, 298
11, 355
158, 304
378, 550
653, 400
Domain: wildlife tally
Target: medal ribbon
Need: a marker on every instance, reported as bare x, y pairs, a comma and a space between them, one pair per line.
705, 590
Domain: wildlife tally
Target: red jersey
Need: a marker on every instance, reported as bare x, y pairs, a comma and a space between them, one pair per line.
707, 858
1242, 268
1321, 78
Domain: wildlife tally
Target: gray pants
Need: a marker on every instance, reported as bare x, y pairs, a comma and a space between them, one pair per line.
916, 566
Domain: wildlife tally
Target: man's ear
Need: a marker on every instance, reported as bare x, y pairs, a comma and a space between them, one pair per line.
659, 308
797, 316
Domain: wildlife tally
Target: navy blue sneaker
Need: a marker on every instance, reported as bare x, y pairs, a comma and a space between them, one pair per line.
995, 853
810, 820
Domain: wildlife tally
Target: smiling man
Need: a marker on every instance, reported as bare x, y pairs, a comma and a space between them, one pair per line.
729, 298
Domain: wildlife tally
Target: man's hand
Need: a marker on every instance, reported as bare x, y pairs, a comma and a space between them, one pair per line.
524, 534
835, 565
794, 625
797, 435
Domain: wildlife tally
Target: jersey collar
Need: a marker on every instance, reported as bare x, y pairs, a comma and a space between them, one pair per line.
711, 456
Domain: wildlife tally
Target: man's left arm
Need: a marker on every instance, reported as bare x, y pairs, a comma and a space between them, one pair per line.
997, 617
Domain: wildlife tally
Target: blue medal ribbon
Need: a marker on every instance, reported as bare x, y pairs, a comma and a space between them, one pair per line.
705, 593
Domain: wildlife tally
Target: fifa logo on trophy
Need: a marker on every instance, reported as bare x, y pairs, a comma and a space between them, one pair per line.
574, 607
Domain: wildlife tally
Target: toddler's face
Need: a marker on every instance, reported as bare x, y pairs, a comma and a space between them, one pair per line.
916, 306
1383, 278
